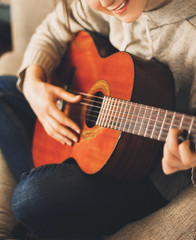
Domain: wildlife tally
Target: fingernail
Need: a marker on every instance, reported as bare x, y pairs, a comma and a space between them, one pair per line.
78, 131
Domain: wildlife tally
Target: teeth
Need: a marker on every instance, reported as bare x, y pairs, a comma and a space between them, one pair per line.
121, 6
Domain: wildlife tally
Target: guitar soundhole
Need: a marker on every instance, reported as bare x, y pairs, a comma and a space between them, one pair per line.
93, 109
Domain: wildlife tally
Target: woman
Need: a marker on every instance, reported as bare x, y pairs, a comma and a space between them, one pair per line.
55, 200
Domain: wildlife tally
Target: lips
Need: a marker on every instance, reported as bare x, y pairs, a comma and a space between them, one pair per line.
120, 6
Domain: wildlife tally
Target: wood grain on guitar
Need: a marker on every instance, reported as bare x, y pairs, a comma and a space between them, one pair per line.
121, 114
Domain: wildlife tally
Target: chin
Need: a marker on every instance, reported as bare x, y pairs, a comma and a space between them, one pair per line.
128, 19
129, 16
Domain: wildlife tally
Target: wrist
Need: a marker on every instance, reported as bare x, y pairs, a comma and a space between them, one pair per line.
33, 74
35, 71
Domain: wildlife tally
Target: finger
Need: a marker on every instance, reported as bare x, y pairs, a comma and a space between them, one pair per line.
172, 141
66, 96
187, 160
167, 168
188, 157
63, 119
170, 163
59, 132
62, 139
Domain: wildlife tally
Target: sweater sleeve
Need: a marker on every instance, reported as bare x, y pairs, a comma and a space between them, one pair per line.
46, 46
49, 42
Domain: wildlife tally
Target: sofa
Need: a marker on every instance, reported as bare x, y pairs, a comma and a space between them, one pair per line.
177, 220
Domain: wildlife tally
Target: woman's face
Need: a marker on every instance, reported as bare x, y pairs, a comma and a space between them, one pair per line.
125, 10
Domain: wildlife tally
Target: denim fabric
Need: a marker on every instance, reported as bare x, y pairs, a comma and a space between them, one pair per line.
59, 199
17, 122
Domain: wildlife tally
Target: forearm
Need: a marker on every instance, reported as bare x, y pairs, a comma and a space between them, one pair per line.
33, 74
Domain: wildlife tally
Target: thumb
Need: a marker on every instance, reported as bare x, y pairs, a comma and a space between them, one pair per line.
67, 96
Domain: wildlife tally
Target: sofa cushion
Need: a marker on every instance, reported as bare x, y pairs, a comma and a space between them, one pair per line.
7, 183
174, 221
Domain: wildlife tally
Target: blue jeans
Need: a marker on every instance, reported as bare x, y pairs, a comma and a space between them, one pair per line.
17, 122
59, 199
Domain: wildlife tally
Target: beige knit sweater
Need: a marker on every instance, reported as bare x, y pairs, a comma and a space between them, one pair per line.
167, 34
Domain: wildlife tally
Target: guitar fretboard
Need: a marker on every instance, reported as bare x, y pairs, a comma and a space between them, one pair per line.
143, 120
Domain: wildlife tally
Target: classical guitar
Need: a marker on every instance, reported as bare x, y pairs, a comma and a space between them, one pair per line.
125, 113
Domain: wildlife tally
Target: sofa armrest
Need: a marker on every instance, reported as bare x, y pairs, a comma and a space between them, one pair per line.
10, 63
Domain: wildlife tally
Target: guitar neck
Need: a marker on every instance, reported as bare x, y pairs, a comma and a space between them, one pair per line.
143, 120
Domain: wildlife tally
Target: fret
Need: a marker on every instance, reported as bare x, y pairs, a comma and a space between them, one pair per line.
153, 129
108, 112
110, 121
120, 116
186, 122
171, 125
116, 115
153, 134
168, 121
134, 117
137, 118
158, 123
105, 111
126, 129
148, 126
143, 120
113, 117
177, 120
101, 113
190, 127
141, 128
118, 120
125, 116
131, 122
129, 119
164, 114
181, 122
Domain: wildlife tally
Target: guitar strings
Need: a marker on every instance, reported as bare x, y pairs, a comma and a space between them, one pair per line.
156, 133
137, 111
137, 115
140, 106
131, 121
129, 124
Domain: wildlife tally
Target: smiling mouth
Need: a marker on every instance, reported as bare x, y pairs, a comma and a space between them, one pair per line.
120, 6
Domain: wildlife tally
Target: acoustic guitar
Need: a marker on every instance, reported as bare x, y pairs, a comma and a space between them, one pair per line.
125, 112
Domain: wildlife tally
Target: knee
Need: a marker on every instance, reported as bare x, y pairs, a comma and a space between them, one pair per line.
29, 196
36, 194
22, 200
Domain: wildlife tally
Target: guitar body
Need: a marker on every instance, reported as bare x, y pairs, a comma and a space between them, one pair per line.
106, 151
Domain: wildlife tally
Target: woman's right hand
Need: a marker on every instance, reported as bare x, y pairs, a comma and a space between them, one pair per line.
42, 97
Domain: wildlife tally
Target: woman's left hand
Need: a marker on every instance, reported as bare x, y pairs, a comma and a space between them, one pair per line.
177, 156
